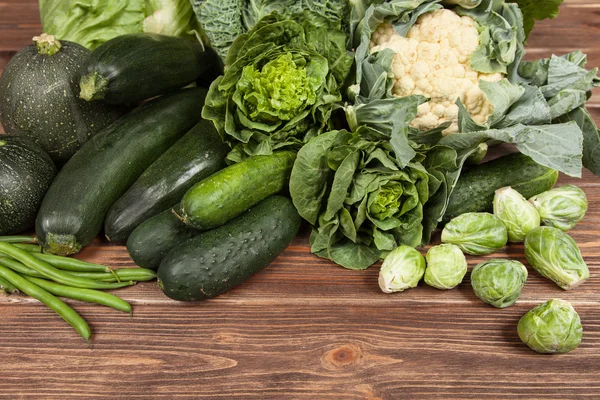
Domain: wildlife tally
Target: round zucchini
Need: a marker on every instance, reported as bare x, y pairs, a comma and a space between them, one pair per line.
138, 66
197, 155
26, 173
216, 261
39, 98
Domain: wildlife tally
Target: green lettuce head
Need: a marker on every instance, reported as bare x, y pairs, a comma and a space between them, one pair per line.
93, 22
282, 80
360, 200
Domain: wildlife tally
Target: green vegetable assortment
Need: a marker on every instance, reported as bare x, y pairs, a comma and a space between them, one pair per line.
368, 119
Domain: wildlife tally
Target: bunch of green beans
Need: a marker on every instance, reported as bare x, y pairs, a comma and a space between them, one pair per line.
24, 268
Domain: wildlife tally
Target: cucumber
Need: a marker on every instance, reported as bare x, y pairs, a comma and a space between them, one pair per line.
26, 173
474, 191
216, 261
139, 66
74, 208
197, 155
150, 242
233, 190
39, 98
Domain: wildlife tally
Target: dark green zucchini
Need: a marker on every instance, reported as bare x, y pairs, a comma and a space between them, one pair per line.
26, 173
138, 66
74, 208
150, 242
197, 155
216, 261
39, 98
233, 190
474, 191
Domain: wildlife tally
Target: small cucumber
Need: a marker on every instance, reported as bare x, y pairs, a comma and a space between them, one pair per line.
216, 261
197, 155
474, 191
231, 191
74, 208
150, 242
138, 66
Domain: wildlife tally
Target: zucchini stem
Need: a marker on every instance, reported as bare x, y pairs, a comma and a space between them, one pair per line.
93, 86
47, 44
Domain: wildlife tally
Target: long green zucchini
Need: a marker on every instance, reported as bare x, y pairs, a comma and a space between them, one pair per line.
74, 208
197, 155
139, 66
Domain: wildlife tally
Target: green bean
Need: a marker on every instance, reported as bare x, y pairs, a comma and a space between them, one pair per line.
56, 304
8, 287
32, 248
126, 274
19, 239
71, 264
54, 274
19, 267
88, 295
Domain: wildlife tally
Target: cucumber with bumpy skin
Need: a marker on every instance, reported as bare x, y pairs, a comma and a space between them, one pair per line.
231, 191
150, 242
216, 261
74, 208
474, 191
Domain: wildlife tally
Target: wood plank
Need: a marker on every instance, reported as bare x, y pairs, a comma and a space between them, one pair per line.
292, 350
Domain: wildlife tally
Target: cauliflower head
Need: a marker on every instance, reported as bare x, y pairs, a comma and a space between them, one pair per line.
433, 60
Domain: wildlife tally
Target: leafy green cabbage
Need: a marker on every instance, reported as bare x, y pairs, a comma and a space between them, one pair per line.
93, 22
361, 202
282, 80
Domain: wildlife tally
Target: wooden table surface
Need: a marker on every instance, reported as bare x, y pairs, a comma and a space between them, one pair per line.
303, 327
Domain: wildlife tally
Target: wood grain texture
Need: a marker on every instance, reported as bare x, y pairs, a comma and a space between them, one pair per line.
304, 328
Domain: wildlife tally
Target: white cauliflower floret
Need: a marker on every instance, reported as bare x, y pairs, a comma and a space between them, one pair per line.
433, 60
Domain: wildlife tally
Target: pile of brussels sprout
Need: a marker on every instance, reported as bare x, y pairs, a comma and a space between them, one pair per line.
540, 223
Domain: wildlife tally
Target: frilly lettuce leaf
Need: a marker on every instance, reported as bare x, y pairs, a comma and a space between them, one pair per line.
282, 80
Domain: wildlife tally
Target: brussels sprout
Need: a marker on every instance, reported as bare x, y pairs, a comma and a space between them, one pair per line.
499, 282
561, 207
516, 213
552, 327
446, 266
555, 255
476, 233
402, 269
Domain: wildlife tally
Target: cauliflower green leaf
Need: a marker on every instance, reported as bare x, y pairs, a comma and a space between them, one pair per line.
536, 10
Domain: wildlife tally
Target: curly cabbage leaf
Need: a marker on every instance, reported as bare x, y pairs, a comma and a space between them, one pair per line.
223, 21
93, 22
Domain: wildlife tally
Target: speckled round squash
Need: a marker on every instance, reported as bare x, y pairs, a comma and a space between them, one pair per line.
26, 173
39, 98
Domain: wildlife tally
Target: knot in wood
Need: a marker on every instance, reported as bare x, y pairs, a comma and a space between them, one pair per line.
342, 357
